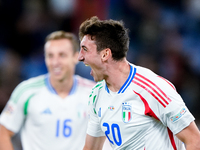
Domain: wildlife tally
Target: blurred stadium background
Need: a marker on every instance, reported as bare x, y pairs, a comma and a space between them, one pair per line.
165, 37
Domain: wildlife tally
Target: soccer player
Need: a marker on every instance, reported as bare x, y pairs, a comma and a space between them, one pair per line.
51, 109
132, 106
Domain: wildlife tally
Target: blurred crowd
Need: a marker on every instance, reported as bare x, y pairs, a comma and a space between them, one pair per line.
164, 37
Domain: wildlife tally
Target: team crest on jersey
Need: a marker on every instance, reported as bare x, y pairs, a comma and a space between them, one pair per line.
126, 112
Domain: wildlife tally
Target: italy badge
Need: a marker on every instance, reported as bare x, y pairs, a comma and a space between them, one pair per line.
126, 112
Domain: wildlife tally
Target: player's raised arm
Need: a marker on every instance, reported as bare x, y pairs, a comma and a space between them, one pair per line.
5, 138
190, 136
94, 143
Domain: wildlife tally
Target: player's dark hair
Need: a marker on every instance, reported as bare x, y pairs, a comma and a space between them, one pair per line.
107, 34
64, 35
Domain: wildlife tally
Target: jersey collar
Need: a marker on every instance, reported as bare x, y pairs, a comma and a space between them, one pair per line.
52, 90
128, 81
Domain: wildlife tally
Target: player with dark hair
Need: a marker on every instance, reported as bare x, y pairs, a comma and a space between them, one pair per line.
132, 106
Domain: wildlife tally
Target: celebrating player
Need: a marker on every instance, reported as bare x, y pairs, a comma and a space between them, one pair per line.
132, 106
51, 109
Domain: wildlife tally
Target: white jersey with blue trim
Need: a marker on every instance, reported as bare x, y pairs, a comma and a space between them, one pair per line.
145, 114
48, 122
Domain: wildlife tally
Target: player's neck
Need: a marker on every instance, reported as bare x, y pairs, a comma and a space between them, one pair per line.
63, 87
117, 75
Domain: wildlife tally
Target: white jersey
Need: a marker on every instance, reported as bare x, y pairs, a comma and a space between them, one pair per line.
145, 114
47, 121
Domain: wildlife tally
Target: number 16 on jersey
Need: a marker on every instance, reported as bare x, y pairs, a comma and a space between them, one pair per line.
64, 128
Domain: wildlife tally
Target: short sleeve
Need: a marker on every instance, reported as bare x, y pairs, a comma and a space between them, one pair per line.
176, 115
94, 128
173, 112
12, 117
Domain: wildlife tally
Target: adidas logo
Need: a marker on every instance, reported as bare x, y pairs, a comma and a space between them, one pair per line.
47, 111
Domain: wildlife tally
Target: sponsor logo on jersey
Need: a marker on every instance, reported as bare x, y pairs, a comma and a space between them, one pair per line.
126, 112
99, 112
47, 111
111, 108
178, 116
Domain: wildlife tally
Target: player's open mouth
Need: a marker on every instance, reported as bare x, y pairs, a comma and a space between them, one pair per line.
56, 70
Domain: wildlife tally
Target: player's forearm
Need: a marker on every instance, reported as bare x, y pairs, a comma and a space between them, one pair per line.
5, 139
92, 148
85, 148
190, 136
5, 144
193, 146
89, 146
94, 143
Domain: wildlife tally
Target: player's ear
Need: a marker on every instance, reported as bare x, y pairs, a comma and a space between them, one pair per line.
106, 54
